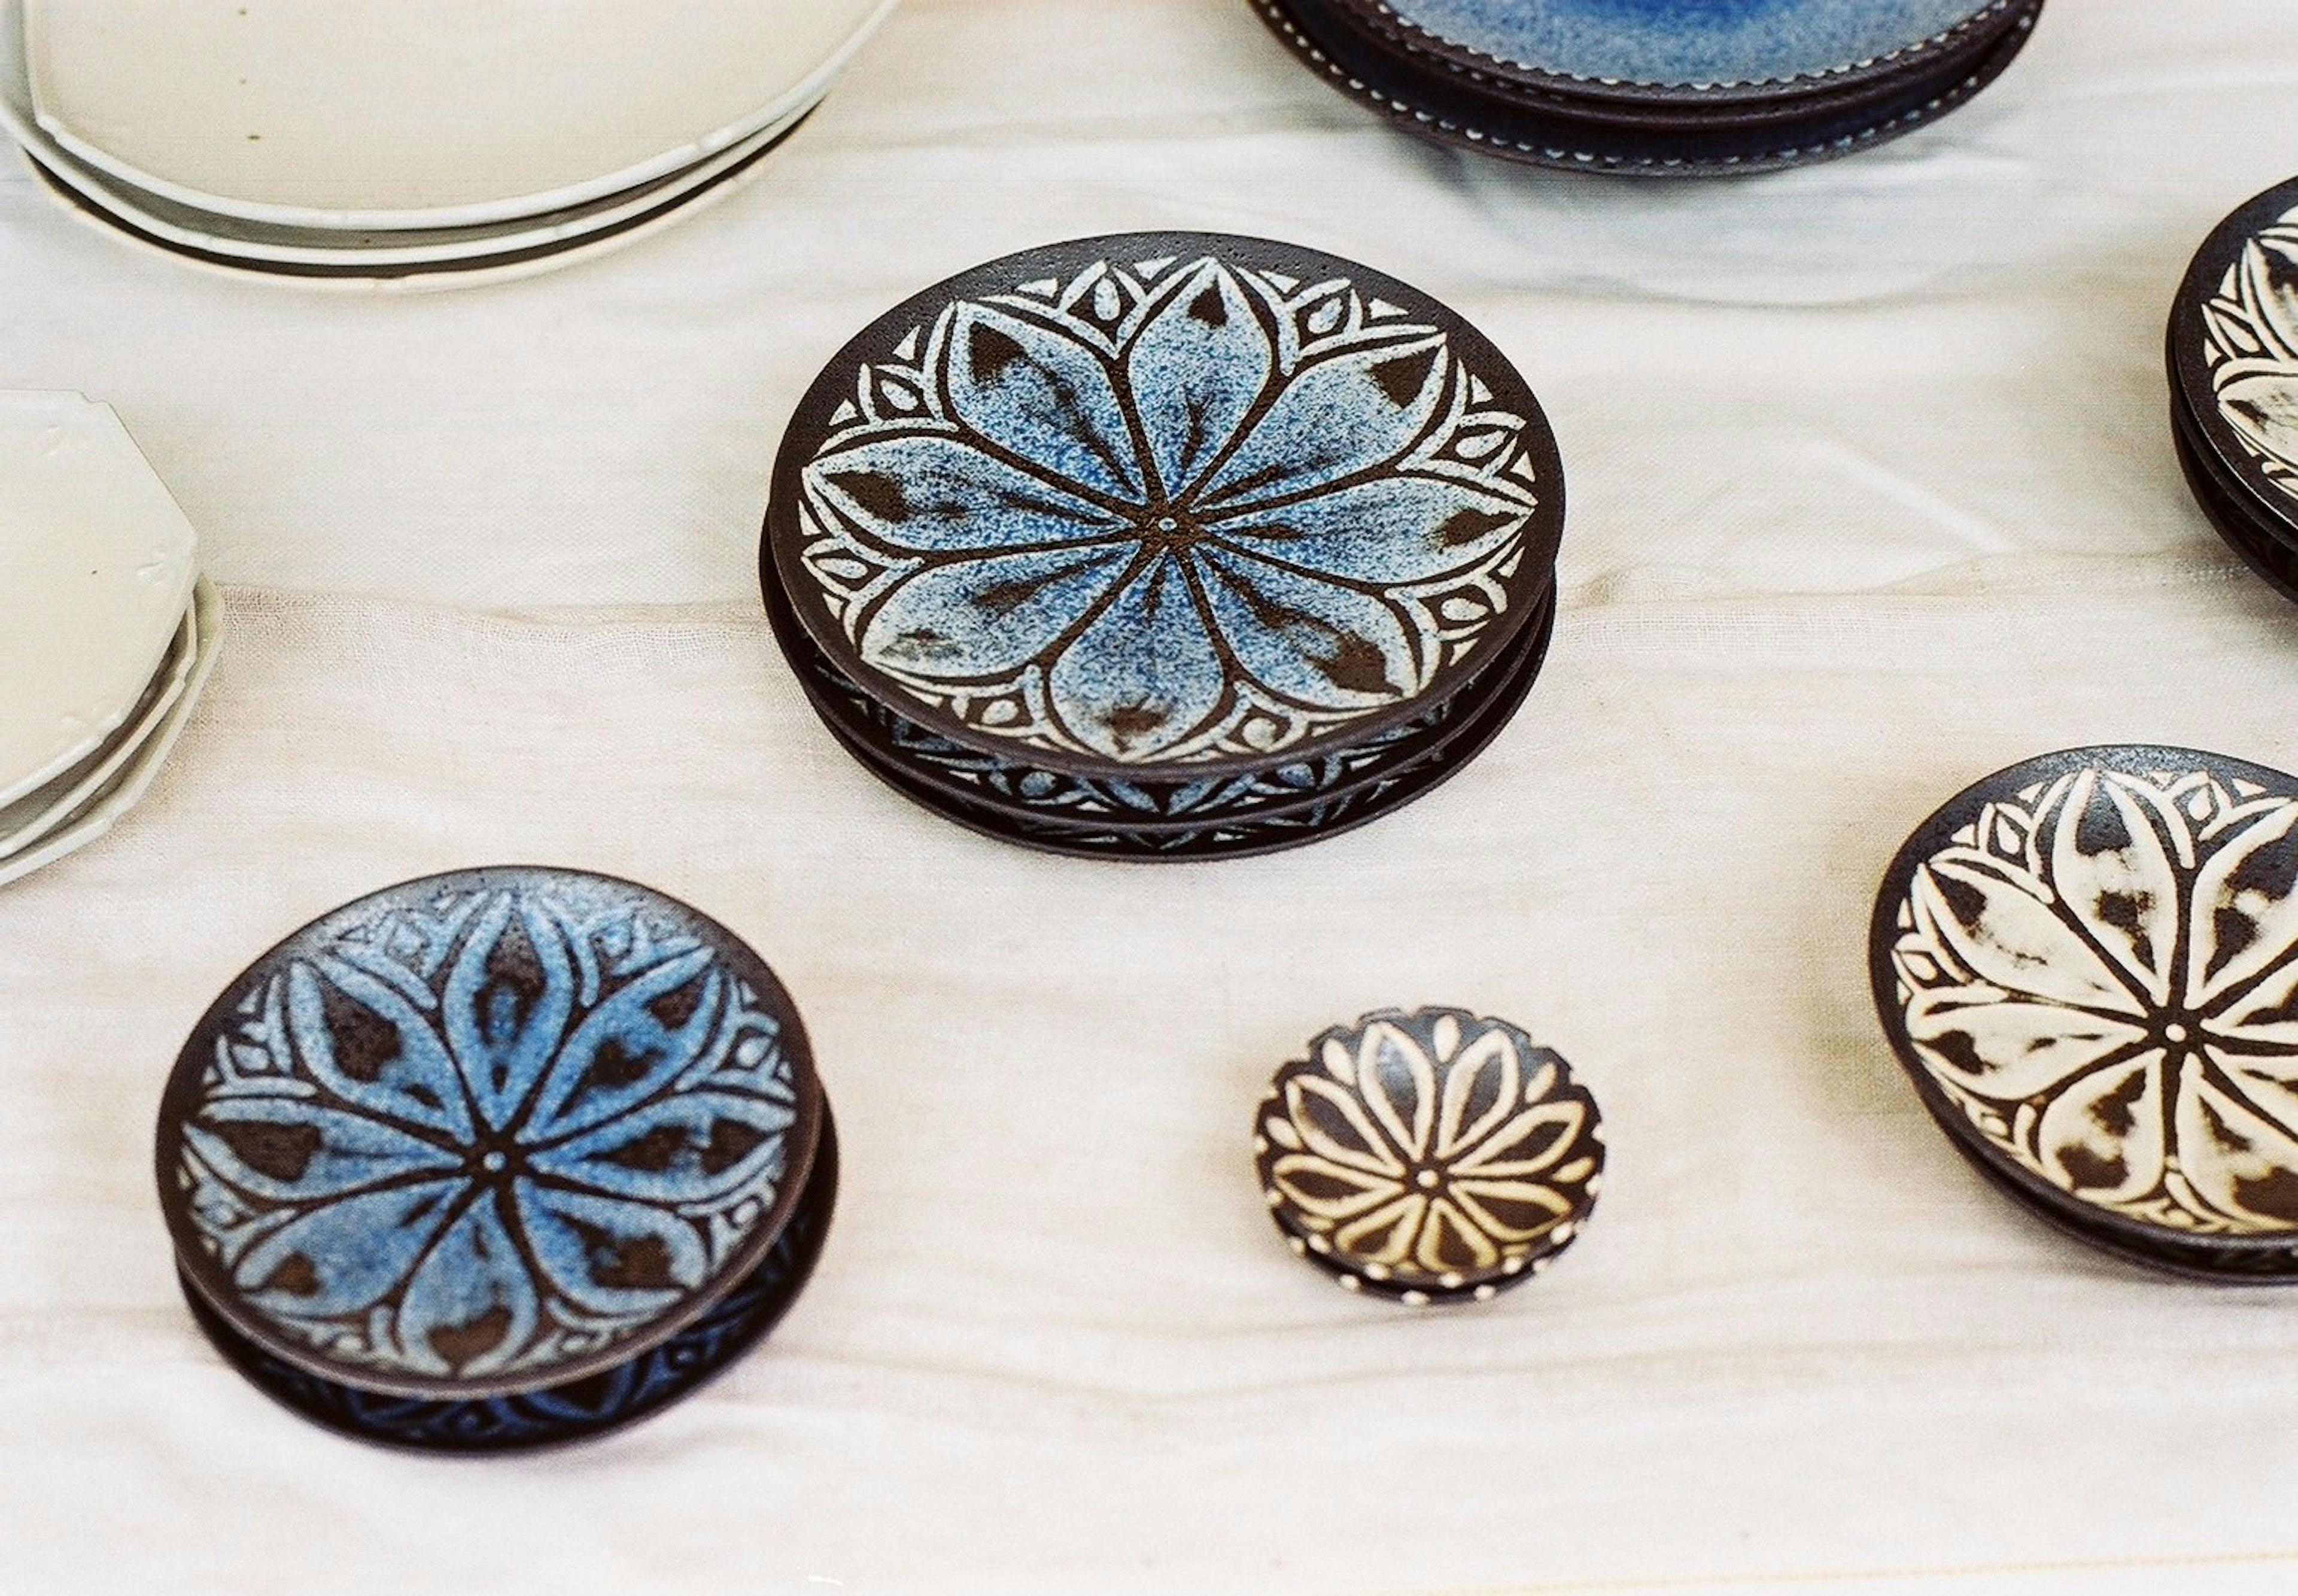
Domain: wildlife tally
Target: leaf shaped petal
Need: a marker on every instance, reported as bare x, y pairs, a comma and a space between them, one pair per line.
2235, 1160
2102, 1138
1450, 1241
1042, 396
361, 1040
1146, 674
1512, 1210
1337, 418
1991, 918
2006, 1048
930, 493
1398, 1079
294, 1151
970, 620
1528, 1144
1387, 1234
2264, 408
638, 1040
1197, 369
1310, 641
469, 1309
1334, 1125
609, 1257
1481, 1087
1327, 1190
2111, 867
345, 1257
695, 1148
2245, 907
510, 993
1391, 531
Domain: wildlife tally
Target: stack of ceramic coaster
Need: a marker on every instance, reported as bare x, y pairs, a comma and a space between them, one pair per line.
495, 1160
2233, 353
1665, 89
1165, 545
465, 142
2086, 963
106, 632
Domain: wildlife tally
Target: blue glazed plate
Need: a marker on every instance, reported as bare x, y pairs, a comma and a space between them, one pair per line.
1671, 49
487, 1132
1165, 506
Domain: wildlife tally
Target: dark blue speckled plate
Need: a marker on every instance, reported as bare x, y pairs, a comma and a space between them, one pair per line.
486, 1133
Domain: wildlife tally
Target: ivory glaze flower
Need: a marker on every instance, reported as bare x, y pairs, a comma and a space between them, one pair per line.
1437, 1147
2099, 973
1169, 511
2251, 340
487, 1134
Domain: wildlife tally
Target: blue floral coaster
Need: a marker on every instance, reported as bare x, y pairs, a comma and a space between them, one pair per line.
2085, 963
486, 1133
1166, 504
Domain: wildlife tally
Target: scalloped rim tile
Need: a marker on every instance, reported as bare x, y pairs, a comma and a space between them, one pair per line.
2082, 962
100, 563
487, 1132
1435, 1157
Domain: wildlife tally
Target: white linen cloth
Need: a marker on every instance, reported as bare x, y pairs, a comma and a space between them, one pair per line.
1872, 493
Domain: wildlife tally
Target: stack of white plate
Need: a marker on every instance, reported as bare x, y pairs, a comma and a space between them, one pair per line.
106, 631
428, 141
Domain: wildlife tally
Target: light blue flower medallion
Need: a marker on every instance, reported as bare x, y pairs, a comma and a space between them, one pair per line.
485, 1133
1166, 506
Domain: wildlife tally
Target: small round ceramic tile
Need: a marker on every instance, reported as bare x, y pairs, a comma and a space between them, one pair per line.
100, 567
1429, 1157
1456, 94
2233, 352
1165, 506
578, 1410
485, 1134
2087, 964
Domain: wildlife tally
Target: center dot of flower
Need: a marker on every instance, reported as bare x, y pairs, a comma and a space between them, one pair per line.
1167, 531
2177, 1033
1426, 1178
493, 1162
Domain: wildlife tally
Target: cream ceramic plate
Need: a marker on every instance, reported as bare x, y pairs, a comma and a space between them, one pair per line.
95, 571
372, 114
262, 244
33, 816
127, 785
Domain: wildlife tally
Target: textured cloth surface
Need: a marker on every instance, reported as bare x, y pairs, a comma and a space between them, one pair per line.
1872, 493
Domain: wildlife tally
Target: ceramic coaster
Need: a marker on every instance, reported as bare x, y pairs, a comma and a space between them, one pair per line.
1730, 90
579, 1410
486, 1135
2233, 355
2085, 963
1429, 1157
1161, 510
100, 565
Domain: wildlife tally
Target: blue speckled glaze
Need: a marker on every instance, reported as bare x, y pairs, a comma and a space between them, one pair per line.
483, 1131
1688, 42
1169, 510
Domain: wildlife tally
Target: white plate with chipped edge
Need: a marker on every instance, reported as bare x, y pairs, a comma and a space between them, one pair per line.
184, 228
96, 566
127, 785
471, 113
34, 815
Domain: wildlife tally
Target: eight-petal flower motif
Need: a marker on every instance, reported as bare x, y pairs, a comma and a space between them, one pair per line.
1173, 511
1436, 1148
2100, 971
485, 1135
